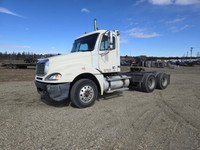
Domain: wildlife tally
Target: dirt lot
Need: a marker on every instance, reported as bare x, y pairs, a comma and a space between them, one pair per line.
168, 119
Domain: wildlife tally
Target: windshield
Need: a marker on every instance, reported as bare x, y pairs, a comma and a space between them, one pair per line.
85, 44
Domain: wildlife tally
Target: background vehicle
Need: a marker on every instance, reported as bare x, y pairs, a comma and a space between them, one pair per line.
29, 60
92, 68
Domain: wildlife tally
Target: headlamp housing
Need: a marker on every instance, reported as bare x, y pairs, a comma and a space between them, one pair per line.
55, 76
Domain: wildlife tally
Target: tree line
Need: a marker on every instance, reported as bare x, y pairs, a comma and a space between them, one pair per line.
22, 55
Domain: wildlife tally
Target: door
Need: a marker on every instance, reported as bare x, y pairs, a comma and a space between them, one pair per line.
108, 57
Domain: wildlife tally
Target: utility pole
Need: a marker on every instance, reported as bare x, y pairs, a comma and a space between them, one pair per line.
191, 53
187, 56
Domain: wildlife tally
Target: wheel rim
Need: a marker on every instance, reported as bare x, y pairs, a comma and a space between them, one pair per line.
151, 83
86, 94
164, 81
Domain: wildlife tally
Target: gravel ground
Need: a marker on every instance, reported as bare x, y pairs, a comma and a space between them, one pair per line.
167, 119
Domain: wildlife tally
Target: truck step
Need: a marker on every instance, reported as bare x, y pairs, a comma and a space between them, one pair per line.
111, 91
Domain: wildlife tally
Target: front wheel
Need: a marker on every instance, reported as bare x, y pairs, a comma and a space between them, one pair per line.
83, 93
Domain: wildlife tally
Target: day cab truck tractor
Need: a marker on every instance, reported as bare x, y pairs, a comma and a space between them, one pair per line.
91, 69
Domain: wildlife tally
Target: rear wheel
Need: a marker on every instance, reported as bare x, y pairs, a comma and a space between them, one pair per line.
83, 93
162, 81
149, 83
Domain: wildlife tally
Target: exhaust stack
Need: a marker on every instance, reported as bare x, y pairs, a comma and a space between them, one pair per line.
95, 25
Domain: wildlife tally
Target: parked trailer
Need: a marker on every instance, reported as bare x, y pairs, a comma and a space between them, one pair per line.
92, 68
15, 65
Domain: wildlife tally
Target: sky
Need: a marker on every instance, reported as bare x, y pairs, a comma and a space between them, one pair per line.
147, 27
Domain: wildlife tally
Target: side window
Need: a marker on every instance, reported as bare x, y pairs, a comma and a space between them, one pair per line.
104, 43
113, 42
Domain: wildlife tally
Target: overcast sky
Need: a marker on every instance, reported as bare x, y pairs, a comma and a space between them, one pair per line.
148, 27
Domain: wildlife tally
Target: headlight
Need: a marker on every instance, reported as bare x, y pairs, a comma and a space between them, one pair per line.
55, 76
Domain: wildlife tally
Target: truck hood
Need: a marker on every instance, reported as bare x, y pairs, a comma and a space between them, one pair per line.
71, 59
70, 66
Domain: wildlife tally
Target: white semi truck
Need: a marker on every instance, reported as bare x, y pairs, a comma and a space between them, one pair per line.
92, 68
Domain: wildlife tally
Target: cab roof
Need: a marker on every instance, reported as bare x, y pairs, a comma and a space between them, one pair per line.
93, 32
90, 33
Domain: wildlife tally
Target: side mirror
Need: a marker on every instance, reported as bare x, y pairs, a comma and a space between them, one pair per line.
110, 40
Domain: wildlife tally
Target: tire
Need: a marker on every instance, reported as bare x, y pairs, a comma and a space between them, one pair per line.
149, 83
83, 93
162, 81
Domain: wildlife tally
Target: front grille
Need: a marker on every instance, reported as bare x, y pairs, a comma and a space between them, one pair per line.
40, 68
